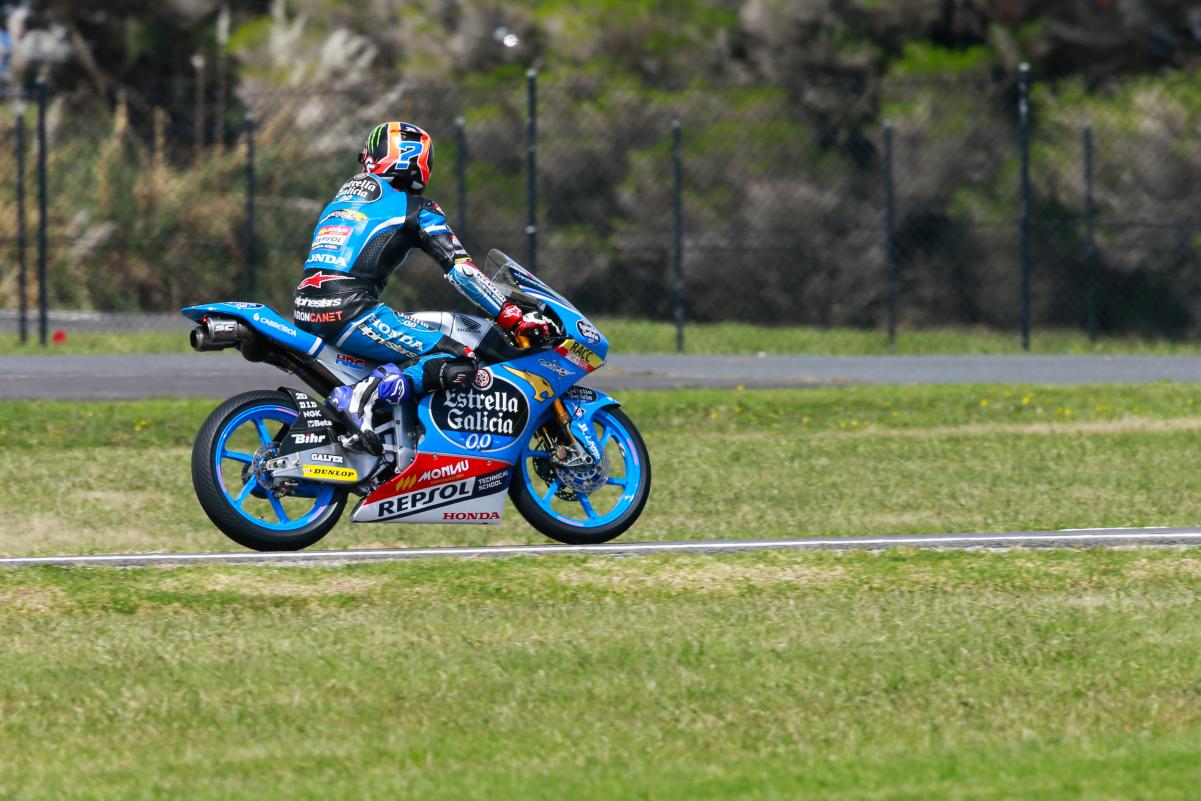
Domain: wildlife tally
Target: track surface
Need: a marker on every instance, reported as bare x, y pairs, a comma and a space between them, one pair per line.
220, 375
1067, 538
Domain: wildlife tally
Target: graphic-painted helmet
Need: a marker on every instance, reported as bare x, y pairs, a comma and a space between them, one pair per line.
400, 153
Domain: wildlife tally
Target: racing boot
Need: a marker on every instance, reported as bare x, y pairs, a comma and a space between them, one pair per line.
386, 383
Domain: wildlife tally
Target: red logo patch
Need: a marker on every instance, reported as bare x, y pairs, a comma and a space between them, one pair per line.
317, 279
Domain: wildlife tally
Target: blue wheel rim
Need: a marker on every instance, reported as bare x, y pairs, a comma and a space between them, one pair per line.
275, 517
612, 433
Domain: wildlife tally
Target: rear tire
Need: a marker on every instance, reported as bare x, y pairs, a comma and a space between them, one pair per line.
224, 497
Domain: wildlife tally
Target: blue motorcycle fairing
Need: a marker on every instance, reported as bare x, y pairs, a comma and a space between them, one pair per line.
575, 325
262, 319
497, 416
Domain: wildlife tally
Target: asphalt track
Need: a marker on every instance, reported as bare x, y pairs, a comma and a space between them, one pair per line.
214, 375
1067, 538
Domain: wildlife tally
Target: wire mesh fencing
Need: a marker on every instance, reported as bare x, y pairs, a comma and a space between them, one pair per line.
1014, 205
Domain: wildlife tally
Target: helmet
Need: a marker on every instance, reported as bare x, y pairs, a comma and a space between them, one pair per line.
400, 153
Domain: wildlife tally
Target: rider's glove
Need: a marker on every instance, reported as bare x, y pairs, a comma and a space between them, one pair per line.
532, 324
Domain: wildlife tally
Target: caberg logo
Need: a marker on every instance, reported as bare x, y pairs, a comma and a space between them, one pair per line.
317, 279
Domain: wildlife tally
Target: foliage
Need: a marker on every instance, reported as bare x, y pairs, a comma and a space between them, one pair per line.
782, 104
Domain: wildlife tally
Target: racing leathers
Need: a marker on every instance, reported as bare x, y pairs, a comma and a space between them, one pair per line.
360, 239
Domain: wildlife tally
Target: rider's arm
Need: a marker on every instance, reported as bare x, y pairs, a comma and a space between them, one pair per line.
444, 247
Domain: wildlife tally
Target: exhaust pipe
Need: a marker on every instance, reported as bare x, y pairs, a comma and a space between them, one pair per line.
217, 333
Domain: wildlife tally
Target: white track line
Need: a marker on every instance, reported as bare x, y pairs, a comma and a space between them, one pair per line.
1067, 537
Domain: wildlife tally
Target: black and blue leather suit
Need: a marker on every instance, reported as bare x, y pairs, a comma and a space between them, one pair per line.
361, 237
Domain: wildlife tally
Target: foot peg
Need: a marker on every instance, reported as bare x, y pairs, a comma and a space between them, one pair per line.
368, 441
359, 439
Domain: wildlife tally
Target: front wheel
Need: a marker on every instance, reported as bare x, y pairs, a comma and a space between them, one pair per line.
237, 495
589, 505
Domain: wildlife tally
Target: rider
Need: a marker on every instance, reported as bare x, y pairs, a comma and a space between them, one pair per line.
374, 221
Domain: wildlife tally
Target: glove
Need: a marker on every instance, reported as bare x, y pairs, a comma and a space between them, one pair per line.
532, 325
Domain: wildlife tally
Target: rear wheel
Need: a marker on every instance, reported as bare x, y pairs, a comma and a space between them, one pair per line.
590, 505
227, 474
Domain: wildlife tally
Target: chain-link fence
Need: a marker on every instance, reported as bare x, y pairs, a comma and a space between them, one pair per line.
1013, 205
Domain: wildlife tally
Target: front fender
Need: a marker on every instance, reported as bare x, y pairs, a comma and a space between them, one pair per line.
582, 404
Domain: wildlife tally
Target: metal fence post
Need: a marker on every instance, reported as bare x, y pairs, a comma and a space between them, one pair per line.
890, 262
677, 207
43, 323
461, 172
250, 210
1024, 219
1090, 242
531, 228
22, 266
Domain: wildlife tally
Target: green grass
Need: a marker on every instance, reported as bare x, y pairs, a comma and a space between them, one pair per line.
1032, 675
88, 344
115, 476
641, 336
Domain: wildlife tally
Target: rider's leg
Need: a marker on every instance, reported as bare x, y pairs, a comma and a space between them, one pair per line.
419, 360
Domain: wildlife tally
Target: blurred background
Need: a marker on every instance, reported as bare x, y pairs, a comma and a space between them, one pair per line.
725, 175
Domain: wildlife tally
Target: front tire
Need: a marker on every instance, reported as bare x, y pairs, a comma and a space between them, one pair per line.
582, 507
229, 448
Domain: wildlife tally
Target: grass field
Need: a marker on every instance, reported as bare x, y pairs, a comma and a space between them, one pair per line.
97, 477
640, 336
884, 677
917, 676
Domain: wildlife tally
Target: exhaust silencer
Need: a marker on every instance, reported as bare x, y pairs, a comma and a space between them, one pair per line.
217, 333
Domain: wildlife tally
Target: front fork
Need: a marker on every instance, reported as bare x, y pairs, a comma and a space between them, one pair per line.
568, 446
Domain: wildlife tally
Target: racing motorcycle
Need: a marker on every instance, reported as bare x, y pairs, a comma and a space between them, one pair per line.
274, 469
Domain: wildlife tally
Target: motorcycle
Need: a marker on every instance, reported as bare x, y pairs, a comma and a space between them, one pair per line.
274, 469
